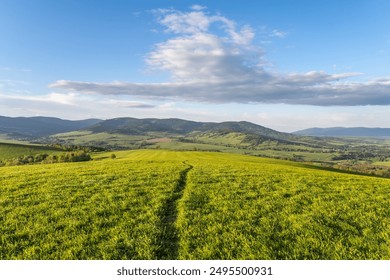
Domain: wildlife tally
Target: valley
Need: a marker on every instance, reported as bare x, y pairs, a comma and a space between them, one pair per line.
174, 189
357, 154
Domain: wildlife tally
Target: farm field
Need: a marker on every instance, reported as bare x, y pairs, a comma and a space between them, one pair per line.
159, 204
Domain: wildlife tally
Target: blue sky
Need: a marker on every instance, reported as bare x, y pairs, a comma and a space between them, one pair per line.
287, 65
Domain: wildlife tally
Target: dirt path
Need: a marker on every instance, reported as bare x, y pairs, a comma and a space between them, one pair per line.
169, 240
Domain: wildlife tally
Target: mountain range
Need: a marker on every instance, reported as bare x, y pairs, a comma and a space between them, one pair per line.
36, 127
178, 134
133, 126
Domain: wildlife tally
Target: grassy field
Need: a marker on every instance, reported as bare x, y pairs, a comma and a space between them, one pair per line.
99, 139
265, 209
158, 204
328, 151
10, 150
4, 138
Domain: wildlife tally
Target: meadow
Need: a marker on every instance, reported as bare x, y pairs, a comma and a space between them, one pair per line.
13, 150
159, 204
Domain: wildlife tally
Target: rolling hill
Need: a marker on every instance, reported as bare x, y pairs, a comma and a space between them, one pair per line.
36, 127
102, 132
177, 134
33, 127
133, 126
122, 133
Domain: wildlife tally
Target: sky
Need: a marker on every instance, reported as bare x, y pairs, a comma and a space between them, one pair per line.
286, 65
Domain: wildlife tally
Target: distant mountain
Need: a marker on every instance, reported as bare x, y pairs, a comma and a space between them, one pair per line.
346, 131
40, 126
250, 134
133, 126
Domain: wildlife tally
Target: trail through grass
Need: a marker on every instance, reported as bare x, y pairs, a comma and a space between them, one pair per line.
169, 234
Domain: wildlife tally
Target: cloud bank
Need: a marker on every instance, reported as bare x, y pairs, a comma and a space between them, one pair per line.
212, 59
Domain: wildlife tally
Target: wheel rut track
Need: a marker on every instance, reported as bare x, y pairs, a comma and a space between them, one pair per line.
169, 239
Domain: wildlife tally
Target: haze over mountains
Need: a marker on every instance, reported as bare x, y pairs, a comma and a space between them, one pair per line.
35, 127
40, 126
45, 126
178, 126
346, 131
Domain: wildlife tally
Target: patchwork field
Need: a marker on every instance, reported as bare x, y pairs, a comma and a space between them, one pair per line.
157, 204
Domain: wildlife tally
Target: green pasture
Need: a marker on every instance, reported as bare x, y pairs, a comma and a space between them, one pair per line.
10, 150
159, 204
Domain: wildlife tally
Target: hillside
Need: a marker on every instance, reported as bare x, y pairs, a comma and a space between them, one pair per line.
177, 134
159, 204
34, 127
346, 131
11, 151
122, 133
236, 137
132, 126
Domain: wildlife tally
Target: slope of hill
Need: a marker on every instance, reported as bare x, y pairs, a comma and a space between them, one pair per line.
132, 126
40, 126
9, 151
345, 131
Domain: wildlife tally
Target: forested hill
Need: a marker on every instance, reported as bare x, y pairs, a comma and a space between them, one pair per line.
35, 127
133, 126
40, 126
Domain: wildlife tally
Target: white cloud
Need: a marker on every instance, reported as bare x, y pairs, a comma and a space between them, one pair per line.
201, 57
128, 104
278, 33
69, 106
54, 97
185, 23
198, 7
312, 88
198, 21
67, 99
222, 65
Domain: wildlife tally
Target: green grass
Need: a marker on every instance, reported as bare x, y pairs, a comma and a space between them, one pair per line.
180, 146
99, 139
102, 210
263, 209
382, 163
232, 138
4, 138
158, 204
10, 151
